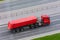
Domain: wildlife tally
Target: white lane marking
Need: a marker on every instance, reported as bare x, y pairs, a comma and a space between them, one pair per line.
11, 14
30, 9
28, 31
50, 13
56, 14
55, 20
4, 26
6, 20
33, 33
30, 37
40, 35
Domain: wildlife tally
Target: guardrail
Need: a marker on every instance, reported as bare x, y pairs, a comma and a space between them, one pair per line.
29, 10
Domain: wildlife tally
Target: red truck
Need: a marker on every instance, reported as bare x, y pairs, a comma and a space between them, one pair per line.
28, 22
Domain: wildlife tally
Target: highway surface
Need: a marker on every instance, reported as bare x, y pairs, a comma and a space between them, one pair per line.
6, 35
55, 25
22, 4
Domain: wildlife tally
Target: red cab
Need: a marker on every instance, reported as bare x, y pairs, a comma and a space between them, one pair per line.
45, 19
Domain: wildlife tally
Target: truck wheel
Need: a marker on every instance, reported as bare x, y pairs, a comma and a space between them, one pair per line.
13, 31
47, 24
37, 25
31, 26
22, 29
17, 30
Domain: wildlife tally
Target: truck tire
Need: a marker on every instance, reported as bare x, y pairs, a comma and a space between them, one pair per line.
31, 26
37, 24
22, 28
13, 30
17, 30
47, 24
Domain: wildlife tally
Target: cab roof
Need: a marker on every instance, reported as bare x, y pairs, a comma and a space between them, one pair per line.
44, 16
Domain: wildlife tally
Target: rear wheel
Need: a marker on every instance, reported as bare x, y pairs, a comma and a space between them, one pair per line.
13, 30
22, 29
31, 26
37, 24
47, 24
17, 30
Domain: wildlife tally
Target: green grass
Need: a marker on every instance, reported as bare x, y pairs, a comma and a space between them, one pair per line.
1, 0
49, 37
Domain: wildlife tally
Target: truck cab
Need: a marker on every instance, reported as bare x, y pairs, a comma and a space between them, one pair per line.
45, 20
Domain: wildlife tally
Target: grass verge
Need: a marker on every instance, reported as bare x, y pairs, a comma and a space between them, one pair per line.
49, 37
1, 0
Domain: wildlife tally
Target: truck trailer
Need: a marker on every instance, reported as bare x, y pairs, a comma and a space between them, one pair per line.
28, 22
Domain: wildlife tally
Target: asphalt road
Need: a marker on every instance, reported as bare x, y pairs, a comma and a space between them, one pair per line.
6, 35
22, 4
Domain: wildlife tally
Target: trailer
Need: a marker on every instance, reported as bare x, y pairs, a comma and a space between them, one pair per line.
28, 22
